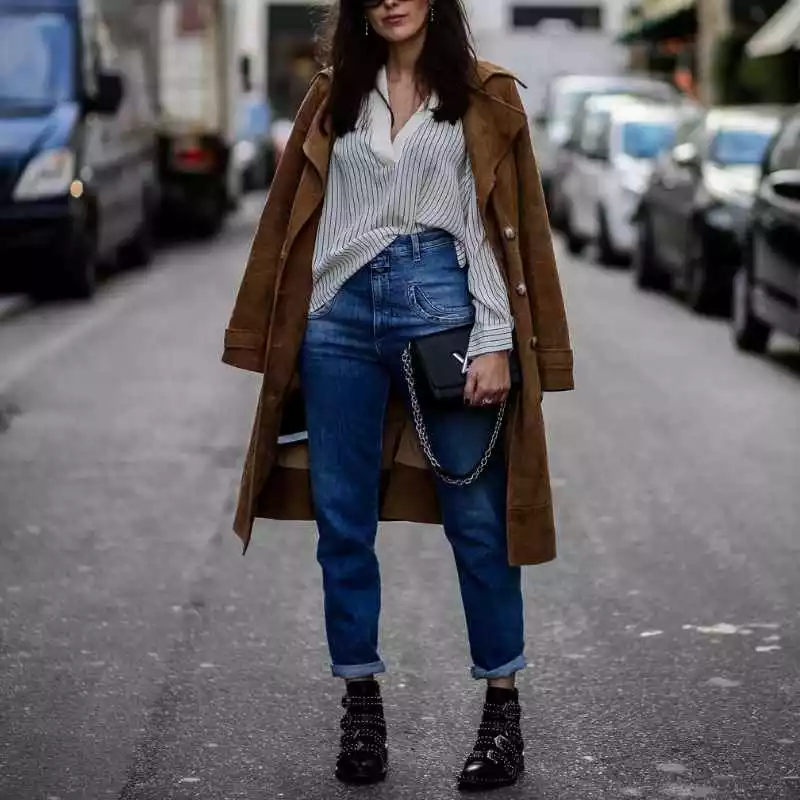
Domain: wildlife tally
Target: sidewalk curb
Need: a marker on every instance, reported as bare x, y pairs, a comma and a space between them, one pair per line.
11, 305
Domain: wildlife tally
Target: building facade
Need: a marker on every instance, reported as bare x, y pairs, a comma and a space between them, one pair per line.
494, 16
486, 16
278, 36
705, 43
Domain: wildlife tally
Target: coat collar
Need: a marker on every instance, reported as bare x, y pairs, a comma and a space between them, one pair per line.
490, 127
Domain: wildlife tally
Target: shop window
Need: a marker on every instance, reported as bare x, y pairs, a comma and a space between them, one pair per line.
582, 17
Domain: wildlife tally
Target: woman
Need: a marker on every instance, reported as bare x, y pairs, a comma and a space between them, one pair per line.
408, 202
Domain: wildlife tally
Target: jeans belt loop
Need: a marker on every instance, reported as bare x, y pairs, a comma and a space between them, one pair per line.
416, 248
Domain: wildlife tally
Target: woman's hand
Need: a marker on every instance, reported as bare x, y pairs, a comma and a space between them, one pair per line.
488, 380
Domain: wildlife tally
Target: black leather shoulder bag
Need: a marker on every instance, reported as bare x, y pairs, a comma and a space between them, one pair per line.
433, 368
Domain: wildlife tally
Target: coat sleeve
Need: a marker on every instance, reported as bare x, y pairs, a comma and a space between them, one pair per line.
245, 336
552, 343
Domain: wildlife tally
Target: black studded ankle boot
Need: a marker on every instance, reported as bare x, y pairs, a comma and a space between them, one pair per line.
498, 756
364, 757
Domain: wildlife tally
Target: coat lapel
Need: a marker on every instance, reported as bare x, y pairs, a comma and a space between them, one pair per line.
314, 179
490, 128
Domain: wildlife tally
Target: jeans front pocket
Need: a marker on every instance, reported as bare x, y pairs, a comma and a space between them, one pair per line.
450, 309
324, 309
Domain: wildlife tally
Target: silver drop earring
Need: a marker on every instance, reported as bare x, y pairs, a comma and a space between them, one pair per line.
433, 12
366, 27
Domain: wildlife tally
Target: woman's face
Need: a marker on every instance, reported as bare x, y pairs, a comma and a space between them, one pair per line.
398, 20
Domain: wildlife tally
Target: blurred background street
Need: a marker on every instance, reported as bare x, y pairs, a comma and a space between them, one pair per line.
142, 658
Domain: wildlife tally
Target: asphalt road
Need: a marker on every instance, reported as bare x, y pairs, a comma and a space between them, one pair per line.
142, 658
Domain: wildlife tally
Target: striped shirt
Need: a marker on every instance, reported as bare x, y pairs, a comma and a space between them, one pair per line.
379, 189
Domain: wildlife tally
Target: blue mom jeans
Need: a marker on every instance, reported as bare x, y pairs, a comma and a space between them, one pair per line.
351, 357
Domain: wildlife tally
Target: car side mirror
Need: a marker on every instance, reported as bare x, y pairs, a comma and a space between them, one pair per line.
686, 155
785, 184
110, 91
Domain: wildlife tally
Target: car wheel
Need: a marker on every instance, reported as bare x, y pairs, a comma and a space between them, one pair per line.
73, 276
575, 243
749, 333
607, 254
699, 292
139, 251
555, 209
210, 213
646, 274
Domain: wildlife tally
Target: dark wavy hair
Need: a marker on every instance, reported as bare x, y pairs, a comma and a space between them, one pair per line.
446, 65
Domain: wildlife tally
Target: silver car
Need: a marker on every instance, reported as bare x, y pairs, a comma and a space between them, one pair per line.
565, 97
619, 143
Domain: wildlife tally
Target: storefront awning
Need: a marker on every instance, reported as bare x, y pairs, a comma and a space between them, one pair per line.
664, 19
779, 34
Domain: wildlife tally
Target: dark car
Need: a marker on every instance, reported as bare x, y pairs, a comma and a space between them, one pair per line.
78, 179
767, 286
691, 221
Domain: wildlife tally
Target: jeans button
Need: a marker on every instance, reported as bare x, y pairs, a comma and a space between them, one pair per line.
522, 290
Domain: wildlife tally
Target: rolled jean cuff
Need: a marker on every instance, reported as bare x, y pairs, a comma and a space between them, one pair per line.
359, 670
506, 671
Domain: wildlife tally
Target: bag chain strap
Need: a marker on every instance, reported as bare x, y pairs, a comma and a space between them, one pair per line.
422, 433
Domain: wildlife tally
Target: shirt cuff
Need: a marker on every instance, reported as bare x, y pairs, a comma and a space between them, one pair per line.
489, 339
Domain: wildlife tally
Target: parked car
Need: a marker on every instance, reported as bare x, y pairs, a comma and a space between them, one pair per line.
617, 145
767, 285
693, 214
554, 125
78, 169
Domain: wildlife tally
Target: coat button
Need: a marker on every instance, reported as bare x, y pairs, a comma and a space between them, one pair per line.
509, 233
522, 289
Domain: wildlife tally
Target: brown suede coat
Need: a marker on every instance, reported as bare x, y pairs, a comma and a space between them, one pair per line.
267, 326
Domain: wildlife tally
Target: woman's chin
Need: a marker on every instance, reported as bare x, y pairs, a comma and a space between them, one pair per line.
400, 34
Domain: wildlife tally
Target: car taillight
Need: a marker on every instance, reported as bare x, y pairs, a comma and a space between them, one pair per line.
193, 157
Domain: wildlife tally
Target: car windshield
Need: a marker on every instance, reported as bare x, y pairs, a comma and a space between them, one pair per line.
36, 64
647, 139
733, 146
567, 104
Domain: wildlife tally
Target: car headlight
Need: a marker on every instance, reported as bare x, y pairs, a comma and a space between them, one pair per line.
721, 218
49, 174
634, 184
713, 190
